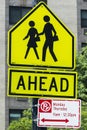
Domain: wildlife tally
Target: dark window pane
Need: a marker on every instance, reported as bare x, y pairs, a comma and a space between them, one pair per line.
85, 31
25, 11
84, 14
84, 23
83, 44
15, 114
41, 0
16, 13
84, 18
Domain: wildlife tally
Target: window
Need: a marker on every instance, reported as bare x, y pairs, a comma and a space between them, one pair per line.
22, 99
16, 13
14, 114
85, 31
83, 44
84, 18
36, 1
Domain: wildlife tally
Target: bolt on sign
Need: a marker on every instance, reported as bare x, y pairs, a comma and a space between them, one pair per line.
59, 113
36, 84
40, 39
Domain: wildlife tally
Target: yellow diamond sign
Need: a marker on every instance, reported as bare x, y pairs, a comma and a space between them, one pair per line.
40, 39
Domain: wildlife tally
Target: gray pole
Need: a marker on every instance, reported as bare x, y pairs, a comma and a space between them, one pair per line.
34, 115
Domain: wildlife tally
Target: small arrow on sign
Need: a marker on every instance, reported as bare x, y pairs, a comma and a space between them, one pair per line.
52, 120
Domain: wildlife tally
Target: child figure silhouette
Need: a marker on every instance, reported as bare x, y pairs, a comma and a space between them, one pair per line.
33, 34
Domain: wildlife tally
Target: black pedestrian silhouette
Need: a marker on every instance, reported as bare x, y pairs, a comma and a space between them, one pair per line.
32, 40
49, 32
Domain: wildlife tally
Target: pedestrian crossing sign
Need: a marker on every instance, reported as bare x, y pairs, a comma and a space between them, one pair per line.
41, 39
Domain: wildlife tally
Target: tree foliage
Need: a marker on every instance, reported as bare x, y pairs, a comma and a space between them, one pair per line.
81, 68
24, 123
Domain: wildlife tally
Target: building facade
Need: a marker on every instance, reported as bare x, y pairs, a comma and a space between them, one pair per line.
82, 23
15, 10
2, 64
73, 13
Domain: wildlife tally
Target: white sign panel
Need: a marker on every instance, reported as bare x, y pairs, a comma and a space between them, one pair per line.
59, 113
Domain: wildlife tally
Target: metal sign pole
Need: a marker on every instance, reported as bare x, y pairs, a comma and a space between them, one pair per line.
34, 115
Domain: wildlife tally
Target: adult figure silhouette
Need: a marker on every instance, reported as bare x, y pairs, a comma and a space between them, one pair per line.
49, 32
33, 34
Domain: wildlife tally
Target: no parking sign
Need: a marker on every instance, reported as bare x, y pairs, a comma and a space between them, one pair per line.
59, 113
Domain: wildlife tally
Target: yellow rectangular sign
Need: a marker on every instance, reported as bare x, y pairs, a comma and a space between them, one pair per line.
34, 84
